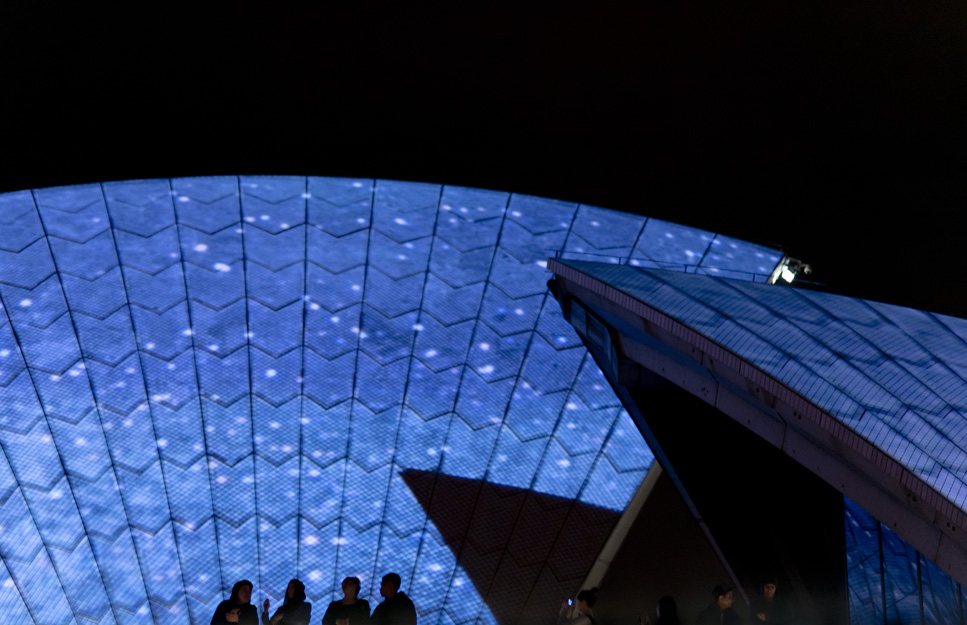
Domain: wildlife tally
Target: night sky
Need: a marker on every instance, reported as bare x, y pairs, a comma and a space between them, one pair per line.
834, 130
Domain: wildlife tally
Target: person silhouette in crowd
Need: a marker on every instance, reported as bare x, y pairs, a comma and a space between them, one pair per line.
719, 611
768, 608
295, 610
397, 609
238, 607
581, 612
350, 610
666, 611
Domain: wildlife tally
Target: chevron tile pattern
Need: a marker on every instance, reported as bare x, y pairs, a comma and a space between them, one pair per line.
211, 379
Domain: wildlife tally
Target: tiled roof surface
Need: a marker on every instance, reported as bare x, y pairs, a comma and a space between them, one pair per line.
211, 379
897, 377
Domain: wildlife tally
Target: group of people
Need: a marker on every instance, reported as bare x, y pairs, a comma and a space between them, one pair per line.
766, 609
395, 609
398, 609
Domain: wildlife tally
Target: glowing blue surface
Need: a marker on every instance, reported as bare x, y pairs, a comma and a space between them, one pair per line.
211, 379
863, 566
896, 376
888, 580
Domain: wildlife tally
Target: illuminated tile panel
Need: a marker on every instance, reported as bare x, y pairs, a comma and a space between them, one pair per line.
889, 582
211, 379
896, 376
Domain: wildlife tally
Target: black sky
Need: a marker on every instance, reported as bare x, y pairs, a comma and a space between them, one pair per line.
835, 130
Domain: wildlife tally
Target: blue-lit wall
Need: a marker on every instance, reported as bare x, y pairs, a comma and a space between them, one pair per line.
211, 379
890, 583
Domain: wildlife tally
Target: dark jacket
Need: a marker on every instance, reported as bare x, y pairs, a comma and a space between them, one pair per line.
777, 611
397, 610
712, 615
295, 614
247, 614
357, 613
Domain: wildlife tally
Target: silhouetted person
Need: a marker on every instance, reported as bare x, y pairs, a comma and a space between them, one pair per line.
666, 611
397, 609
582, 612
768, 608
720, 611
349, 610
295, 609
238, 607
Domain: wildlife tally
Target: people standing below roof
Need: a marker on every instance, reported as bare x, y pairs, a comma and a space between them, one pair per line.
295, 610
769, 608
397, 609
720, 611
238, 607
580, 612
350, 610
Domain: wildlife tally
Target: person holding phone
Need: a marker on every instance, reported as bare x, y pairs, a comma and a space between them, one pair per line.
582, 613
295, 610
238, 607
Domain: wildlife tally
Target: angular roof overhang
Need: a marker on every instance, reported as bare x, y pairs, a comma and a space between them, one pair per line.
622, 311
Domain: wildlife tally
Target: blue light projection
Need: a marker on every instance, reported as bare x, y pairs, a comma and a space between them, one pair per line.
211, 379
895, 376
889, 582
